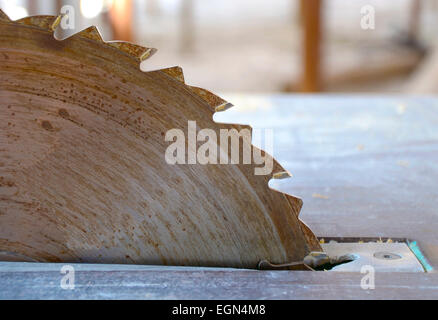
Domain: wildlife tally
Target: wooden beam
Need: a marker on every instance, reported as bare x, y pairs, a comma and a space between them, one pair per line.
311, 20
121, 20
415, 19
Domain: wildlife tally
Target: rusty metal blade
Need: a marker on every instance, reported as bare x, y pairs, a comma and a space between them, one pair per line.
83, 170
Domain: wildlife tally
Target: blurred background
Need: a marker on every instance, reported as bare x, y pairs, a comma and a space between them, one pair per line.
255, 46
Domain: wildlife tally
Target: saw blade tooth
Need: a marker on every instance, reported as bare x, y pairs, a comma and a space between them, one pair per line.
49, 23
224, 107
139, 52
296, 205
213, 100
4, 16
294, 202
175, 72
312, 240
149, 52
282, 175
91, 33
278, 168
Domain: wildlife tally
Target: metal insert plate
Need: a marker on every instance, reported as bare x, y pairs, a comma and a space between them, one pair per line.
383, 257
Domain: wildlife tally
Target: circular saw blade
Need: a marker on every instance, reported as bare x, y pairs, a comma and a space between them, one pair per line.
83, 170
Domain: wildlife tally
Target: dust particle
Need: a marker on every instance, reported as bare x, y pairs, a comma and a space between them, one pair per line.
320, 196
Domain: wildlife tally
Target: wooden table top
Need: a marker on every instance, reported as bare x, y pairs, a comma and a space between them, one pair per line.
365, 166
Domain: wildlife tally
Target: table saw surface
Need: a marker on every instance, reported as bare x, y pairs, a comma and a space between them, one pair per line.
365, 166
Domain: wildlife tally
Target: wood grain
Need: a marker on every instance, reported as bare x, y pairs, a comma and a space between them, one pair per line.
41, 281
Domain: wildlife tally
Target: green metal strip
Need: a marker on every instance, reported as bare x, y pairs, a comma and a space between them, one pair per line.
416, 250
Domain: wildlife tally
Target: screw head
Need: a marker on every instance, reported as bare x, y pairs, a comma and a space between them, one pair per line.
387, 256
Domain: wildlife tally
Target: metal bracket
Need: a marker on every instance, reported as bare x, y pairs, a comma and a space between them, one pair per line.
383, 257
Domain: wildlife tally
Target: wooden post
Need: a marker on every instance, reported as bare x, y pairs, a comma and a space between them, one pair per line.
32, 7
187, 26
121, 20
311, 21
414, 20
